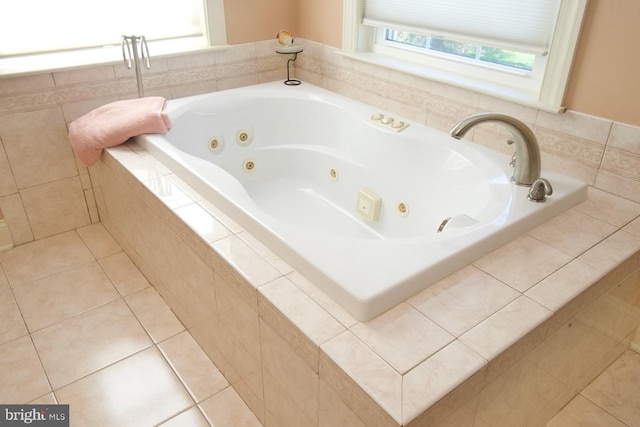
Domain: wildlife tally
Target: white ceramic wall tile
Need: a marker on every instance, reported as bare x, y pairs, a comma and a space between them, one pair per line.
573, 354
580, 150
290, 385
570, 166
370, 372
7, 181
617, 313
84, 75
28, 101
524, 395
300, 310
247, 261
167, 192
265, 252
436, 377
37, 146
333, 411
328, 304
625, 137
623, 163
32, 83
74, 109
202, 59
16, 218
526, 114
577, 124
240, 52
201, 222
239, 342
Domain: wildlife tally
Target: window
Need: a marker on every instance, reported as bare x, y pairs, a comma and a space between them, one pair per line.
511, 59
486, 46
45, 28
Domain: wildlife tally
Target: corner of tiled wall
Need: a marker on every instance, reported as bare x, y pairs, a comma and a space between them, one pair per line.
43, 189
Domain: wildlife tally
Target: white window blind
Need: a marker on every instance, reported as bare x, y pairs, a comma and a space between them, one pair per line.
520, 25
36, 26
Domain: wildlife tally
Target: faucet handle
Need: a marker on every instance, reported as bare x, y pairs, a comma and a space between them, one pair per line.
540, 189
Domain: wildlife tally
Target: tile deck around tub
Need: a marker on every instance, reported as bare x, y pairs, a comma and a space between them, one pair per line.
602, 234
192, 390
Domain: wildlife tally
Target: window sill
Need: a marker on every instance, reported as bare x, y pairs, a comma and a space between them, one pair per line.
61, 61
515, 95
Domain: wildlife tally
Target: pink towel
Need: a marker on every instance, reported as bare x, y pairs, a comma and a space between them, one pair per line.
115, 123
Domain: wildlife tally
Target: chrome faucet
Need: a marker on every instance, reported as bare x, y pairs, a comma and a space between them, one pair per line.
527, 158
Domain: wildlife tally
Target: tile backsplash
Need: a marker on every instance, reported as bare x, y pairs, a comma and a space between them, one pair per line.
44, 191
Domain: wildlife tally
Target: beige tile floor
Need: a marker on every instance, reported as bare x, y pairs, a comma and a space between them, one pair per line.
79, 324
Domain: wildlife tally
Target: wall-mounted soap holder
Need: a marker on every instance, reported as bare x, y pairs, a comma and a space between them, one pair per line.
290, 50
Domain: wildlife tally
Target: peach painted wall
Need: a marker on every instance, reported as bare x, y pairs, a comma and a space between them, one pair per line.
321, 21
255, 20
605, 80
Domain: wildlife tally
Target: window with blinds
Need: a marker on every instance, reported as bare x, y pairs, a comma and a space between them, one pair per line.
516, 25
39, 26
521, 50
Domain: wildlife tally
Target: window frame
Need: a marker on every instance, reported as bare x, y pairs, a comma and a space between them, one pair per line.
529, 81
360, 42
214, 37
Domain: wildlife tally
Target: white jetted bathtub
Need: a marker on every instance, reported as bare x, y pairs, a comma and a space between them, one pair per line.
370, 214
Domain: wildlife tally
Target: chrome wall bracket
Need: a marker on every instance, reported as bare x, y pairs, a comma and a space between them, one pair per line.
134, 49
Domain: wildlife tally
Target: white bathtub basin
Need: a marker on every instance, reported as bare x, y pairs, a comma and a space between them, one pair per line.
288, 164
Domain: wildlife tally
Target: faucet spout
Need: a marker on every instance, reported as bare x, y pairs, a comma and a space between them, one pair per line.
527, 158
